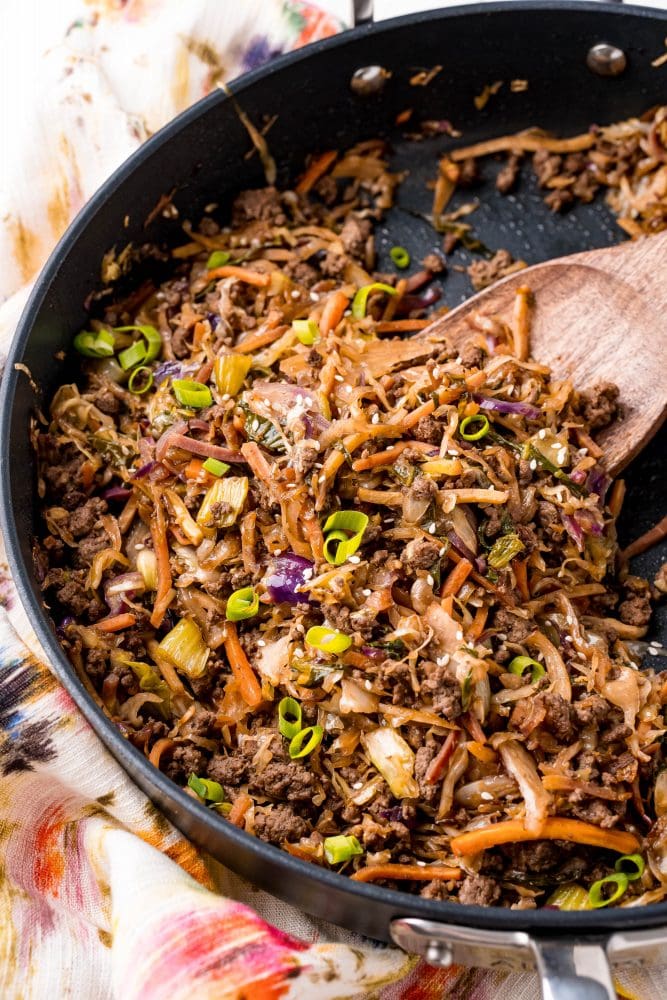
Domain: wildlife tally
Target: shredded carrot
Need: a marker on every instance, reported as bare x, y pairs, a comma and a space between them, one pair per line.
116, 622
394, 300
262, 338
521, 322
248, 541
520, 567
478, 622
161, 547
401, 325
244, 675
239, 808
158, 749
617, 497
456, 578
87, 475
313, 532
565, 783
380, 458
437, 766
481, 752
316, 168
193, 469
554, 828
403, 116
415, 416
333, 311
257, 278
416, 873
447, 604
586, 441
646, 541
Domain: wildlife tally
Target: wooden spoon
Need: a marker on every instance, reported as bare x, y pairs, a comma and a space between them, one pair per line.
598, 316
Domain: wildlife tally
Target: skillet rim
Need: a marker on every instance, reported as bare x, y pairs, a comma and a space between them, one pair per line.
131, 759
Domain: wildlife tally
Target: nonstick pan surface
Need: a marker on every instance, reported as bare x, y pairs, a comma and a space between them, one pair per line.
202, 157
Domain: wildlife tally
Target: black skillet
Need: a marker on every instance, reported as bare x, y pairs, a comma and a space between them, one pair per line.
202, 156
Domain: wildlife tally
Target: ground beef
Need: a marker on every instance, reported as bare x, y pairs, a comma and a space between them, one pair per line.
591, 711
515, 628
428, 791
70, 590
437, 889
337, 616
334, 264
62, 468
508, 174
429, 430
420, 553
559, 199
280, 823
622, 768
97, 664
85, 519
262, 205
229, 771
471, 355
558, 717
395, 677
185, 760
616, 734
354, 234
327, 189
285, 780
107, 402
445, 690
546, 165
536, 856
599, 405
479, 890
549, 519
483, 273
88, 547
434, 263
423, 488
636, 608
301, 272
593, 811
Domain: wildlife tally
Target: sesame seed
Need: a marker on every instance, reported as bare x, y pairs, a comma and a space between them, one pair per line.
354, 559
436, 372
442, 550
358, 784
225, 397
652, 651
321, 479
261, 642
267, 402
487, 796
298, 651
368, 685
458, 360
431, 529
339, 378
277, 552
316, 445
532, 464
442, 661
430, 581
308, 401
314, 296
308, 574
366, 592
459, 635
422, 864
299, 400
452, 451
542, 434
295, 294
375, 419
139, 546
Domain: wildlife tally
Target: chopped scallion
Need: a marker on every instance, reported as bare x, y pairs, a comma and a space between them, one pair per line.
218, 259
95, 345
327, 639
479, 427
631, 865
289, 717
242, 604
597, 894
305, 741
215, 467
209, 791
520, 664
190, 393
307, 331
141, 380
400, 257
343, 532
360, 300
133, 355
152, 337
341, 848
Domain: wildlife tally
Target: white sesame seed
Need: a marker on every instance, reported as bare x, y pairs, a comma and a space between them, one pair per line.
458, 360
308, 574
139, 546
436, 372
339, 378
652, 651
314, 296
542, 434
368, 685
296, 294
358, 784
431, 529
366, 592
321, 479
267, 402
375, 419
316, 445
459, 635
442, 661
487, 796
225, 397
298, 651
308, 401
430, 581
442, 550
261, 642
299, 400
452, 451
422, 864
532, 464
354, 559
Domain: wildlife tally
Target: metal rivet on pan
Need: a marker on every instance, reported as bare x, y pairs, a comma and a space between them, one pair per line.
606, 60
369, 80
439, 953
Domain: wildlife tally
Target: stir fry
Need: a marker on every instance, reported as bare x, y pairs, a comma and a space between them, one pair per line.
352, 585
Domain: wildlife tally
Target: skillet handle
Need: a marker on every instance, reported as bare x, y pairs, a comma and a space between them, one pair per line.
570, 971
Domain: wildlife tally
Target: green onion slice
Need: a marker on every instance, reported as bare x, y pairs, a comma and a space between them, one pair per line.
597, 894
194, 394
133, 355
289, 717
218, 259
361, 298
307, 331
520, 664
209, 791
343, 532
337, 849
305, 741
473, 434
95, 345
150, 335
636, 866
145, 380
215, 467
400, 257
327, 639
242, 604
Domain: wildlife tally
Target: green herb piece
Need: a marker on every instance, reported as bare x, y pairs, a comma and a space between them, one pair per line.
215, 467
141, 380
218, 259
339, 849
343, 532
520, 664
150, 680
479, 427
466, 691
400, 257
289, 717
631, 865
305, 741
327, 639
262, 431
395, 648
242, 604
133, 355
597, 894
360, 300
208, 791
504, 550
307, 331
190, 393
531, 453
95, 345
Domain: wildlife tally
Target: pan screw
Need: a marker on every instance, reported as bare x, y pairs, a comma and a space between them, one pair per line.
606, 60
369, 80
439, 953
